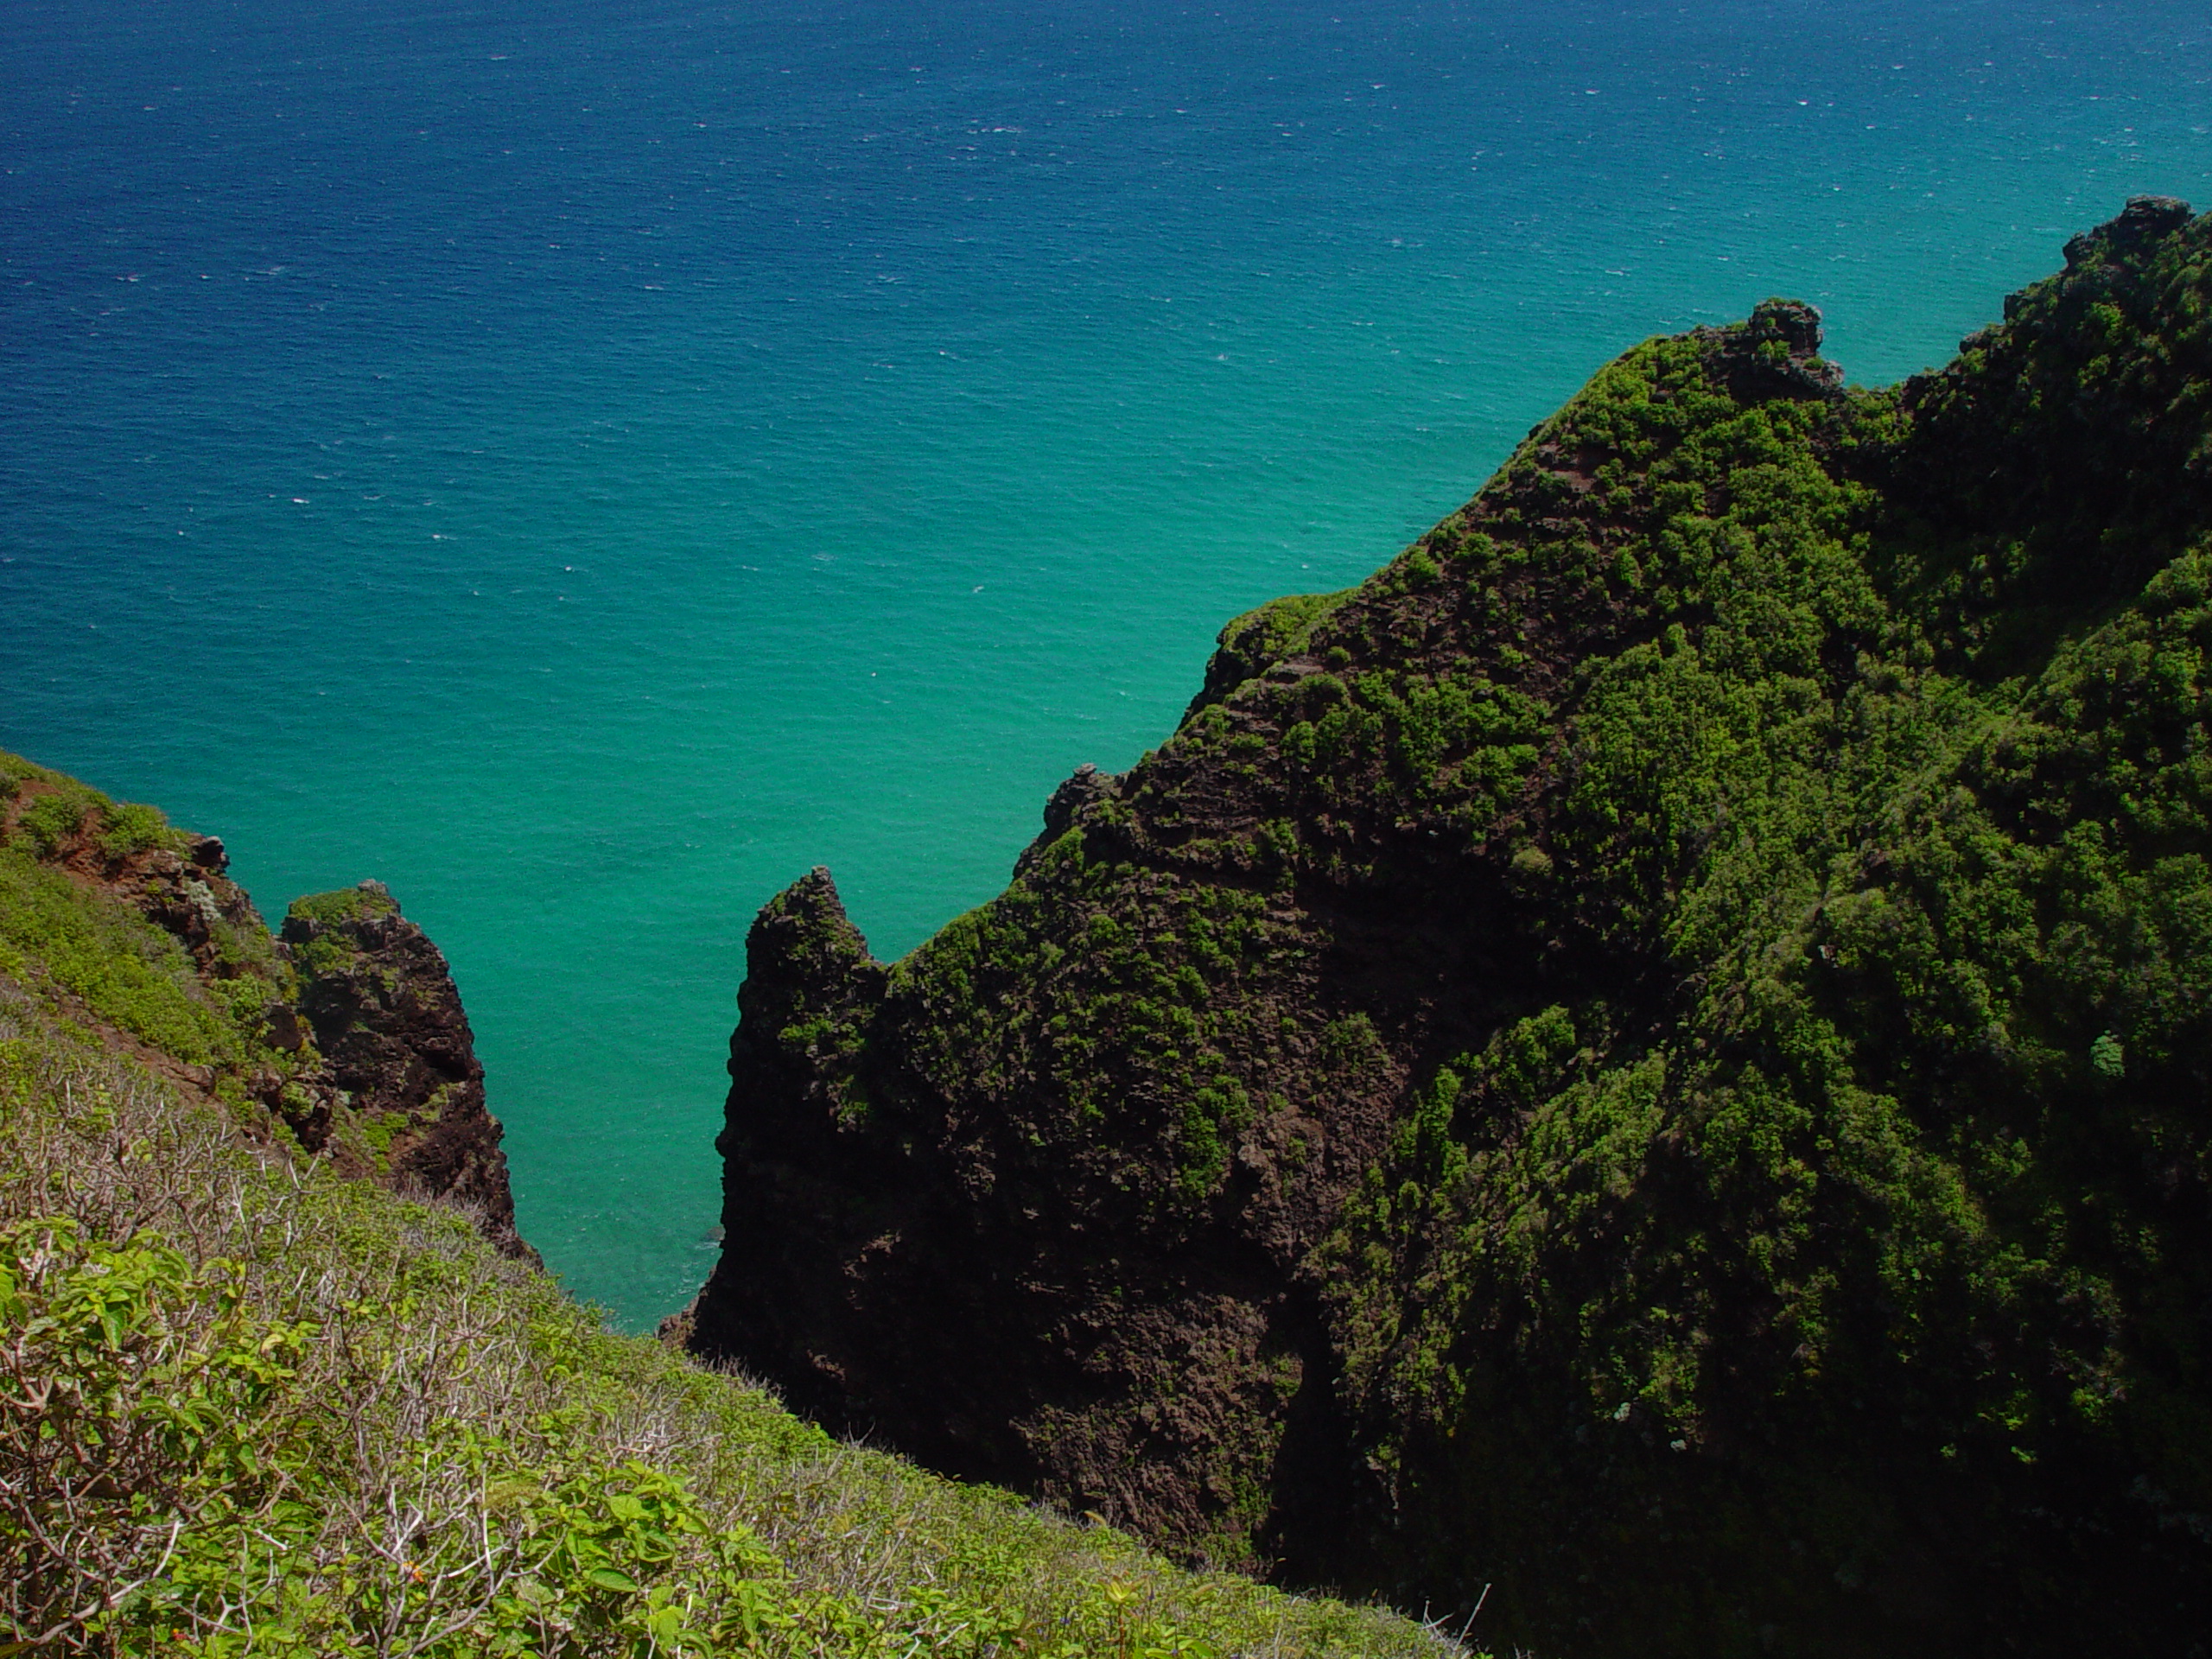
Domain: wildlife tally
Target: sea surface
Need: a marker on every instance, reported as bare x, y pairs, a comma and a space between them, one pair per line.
586, 462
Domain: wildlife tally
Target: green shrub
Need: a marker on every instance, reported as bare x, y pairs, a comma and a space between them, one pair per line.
124, 972
50, 820
134, 828
346, 904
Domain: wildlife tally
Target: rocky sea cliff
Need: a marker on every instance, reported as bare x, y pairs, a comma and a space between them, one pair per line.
348, 1042
1645, 1070
277, 1377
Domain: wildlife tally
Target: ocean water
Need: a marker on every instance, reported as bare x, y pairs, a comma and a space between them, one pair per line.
586, 463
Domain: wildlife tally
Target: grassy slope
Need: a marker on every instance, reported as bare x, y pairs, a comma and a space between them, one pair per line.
247, 1406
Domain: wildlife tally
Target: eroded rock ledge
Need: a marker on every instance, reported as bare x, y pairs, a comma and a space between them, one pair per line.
385, 1015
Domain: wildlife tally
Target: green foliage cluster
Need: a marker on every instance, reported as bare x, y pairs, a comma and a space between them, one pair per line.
1254, 642
59, 811
356, 904
1732, 905
98, 951
318, 926
2066, 454
1449, 738
247, 1407
1842, 1282
1135, 1034
93, 946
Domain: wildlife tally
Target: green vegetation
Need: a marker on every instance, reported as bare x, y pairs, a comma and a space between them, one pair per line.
1644, 1071
1257, 640
1732, 908
1882, 1216
98, 951
346, 904
250, 1406
72, 924
1140, 1039
51, 809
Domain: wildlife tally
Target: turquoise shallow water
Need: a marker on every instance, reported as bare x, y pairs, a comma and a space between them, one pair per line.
586, 464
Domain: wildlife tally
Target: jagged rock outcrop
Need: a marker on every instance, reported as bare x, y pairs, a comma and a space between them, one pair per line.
386, 1018
357, 1045
1775, 354
1648, 1069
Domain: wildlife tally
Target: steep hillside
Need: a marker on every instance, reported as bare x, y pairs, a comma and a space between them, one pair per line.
253, 1403
1650, 1062
344, 1039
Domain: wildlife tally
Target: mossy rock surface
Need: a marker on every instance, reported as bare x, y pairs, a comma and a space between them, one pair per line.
1653, 1057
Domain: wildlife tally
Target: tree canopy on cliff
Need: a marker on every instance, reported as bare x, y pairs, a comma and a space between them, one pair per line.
1655, 1058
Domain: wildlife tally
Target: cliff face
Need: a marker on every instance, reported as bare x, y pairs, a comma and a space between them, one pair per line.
1652, 1063
386, 1018
345, 1038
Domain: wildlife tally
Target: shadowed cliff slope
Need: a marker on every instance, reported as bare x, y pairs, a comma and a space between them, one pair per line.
1652, 1059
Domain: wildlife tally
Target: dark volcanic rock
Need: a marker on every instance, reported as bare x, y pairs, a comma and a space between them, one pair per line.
1644, 1070
1072, 803
1776, 354
859, 1257
386, 1017
2144, 218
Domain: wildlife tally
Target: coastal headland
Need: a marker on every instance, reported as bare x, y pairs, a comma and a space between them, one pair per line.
1644, 1068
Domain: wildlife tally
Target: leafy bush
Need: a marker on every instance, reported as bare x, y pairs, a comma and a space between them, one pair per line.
123, 971
134, 828
50, 820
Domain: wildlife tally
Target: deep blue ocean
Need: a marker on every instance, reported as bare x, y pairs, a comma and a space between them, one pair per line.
586, 463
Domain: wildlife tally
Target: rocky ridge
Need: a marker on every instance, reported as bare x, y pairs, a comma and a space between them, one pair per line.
1643, 1070
380, 1004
